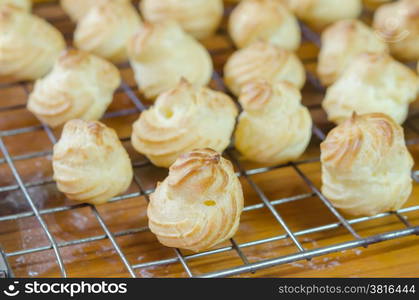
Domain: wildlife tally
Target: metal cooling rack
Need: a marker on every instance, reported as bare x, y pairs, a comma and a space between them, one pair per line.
246, 267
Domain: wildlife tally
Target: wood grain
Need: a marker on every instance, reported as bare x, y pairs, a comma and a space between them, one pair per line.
98, 258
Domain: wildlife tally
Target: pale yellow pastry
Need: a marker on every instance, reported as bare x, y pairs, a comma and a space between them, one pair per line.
262, 60
80, 86
398, 24
106, 29
266, 20
182, 119
29, 45
341, 43
372, 83
200, 18
199, 204
89, 162
274, 127
76, 9
320, 13
161, 54
366, 166
24, 4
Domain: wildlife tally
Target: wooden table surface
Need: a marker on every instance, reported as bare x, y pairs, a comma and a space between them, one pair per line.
393, 258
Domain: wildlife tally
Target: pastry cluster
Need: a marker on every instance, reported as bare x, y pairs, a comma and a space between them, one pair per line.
80, 86
182, 119
366, 166
372, 83
29, 45
274, 127
199, 204
89, 162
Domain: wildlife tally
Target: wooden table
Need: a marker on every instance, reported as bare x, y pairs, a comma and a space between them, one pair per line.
98, 258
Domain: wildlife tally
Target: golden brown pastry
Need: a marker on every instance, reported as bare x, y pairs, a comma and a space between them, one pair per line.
161, 54
76, 9
80, 86
372, 83
262, 60
23, 4
320, 13
199, 204
89, 162
29, 45
341, 43
274, 127
398, 24
366, 166
182, 119
375, 3
106, 29
200, 18
266, 20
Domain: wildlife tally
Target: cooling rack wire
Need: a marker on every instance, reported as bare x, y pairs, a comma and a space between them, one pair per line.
27, 189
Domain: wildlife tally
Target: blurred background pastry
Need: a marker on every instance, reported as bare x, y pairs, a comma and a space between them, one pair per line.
341, 43
320, 13
274, 127
106, 29
76, 9
80, 86
199, 18
29, 45
266, 20
89, 162
366, 167
161, 54
372, 83
398, 24
199, 204
262, 60
24, 4
182, 119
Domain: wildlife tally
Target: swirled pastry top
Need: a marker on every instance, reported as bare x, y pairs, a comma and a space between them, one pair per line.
200, 18
274, 127
398, 24
29, 45
106, 29
341, 43
182, 119
89, 162
366, 166
266, 20
262, 60
161, 54
372, 83
23, 4
199, 204
80, 86
320, 13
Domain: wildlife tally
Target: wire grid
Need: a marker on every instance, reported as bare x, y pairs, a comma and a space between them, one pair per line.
301, 254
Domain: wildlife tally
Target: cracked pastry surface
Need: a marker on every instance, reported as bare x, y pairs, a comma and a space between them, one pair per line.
80, 86
341, 43
199, 204
266, 20
366, 167
182, 119
373, 83
274, 127
89, 162
161, 54
398, 24
263, 60
200, 18
106, 29
22, 31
